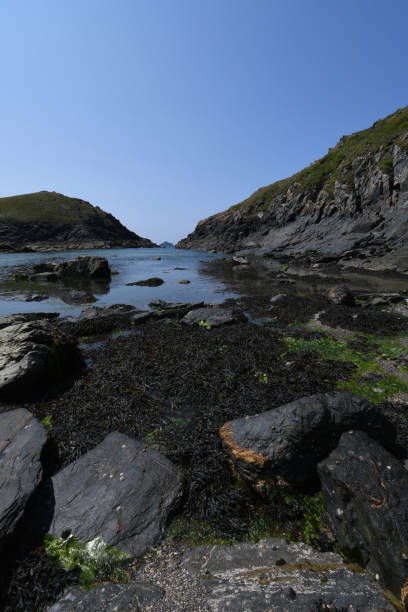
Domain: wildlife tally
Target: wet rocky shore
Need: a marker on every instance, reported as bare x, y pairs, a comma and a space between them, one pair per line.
234, 422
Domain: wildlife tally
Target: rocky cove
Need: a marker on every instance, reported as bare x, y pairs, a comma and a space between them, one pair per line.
246, 455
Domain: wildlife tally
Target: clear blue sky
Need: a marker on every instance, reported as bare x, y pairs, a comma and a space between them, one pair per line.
166, 111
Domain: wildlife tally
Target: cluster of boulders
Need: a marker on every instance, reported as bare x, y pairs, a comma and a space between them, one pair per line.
84, 266
346, 442
121, 490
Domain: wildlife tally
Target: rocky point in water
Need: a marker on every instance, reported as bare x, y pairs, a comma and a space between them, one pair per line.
49, 221
349, 206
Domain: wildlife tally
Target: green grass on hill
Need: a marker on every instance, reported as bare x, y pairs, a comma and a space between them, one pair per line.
336, 165
47, 206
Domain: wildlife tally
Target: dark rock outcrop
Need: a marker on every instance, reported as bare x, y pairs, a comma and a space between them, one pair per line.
121, 490
277, 575
284, 445
32, 356
351, 205
84, 266
108, 597
22, 439
366, 493
97, 320
49, 221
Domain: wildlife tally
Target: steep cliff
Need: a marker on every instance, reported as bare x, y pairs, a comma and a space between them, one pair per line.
51, 221
353, 201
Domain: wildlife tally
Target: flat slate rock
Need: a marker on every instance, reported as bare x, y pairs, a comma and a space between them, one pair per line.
32, 354
108, 597
287, 443
22, 439
211, 315
366, 493
277, 575
25, 317
121, 490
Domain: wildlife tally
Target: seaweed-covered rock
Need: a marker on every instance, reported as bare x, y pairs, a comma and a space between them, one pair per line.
120, 490
277, 575
22, 439
32, 354
211, 315
366, 493
108, 597
284, 445
96, 320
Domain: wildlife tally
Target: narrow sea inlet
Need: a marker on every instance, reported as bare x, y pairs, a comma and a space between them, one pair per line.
128, 266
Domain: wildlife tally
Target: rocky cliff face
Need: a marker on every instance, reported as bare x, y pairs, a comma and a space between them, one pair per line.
351, 203
51, 221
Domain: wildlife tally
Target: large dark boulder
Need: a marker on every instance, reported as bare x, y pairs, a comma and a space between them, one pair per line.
366, 493
284, 445
32, 356
84, 266
22, 439
95, 320
340, 296
121, 490
108, 597
278, 575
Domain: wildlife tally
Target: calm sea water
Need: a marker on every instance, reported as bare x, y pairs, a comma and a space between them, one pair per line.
131, 264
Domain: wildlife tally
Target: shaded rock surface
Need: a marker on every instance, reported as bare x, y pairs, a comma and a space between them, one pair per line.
32, 356
120, 490
108, 597
22, 439
277, 575
366, 493
98, 320
25, 317
340, 295
284, 445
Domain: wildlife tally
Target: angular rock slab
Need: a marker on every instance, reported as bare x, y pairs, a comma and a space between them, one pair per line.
285, 444
108, 597
366, 493
277, 575
31, 354
211, 315
120, 490
22, 439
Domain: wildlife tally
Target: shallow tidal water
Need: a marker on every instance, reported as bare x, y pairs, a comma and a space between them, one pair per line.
130, 264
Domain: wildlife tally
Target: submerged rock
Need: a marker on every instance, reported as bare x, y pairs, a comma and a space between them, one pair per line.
75, 296
277, 575
22, 439
366, 493
108, 597
284, 445
32, 356
121, 490
149, 282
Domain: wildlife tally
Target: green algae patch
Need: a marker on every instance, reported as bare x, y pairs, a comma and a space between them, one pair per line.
366, 362
197, 533
96, 560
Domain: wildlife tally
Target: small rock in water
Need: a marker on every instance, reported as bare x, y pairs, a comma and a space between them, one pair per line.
184, 282
156, 258
149, 282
